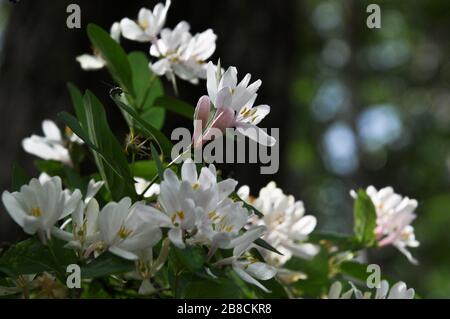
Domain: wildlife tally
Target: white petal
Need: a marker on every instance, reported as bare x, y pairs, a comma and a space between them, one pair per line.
132, 31
92, 189
261, 270
90, 62
255, 133
51, 131
247, 278
14, 208
176, 237
189, 172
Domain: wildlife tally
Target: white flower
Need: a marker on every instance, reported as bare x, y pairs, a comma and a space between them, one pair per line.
129, 231
394, 216
182, 54
287, 225
142, 185
199, 205
398, 291
84, 219
51, 146
246, 267
148, 23
233, 103
96, 61
335, 292
38, 206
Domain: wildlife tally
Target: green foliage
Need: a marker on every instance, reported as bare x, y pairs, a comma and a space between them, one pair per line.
149, 131
31, 256
105, 265
115, 57
175, 105
109, 156
365, 219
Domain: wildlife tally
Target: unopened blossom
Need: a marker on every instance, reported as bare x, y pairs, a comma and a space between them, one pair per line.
234, 105
335, 292
287, 225
395, 214
148, 24
397, 291
51, 146
182, 54
129, 230
95, 61
246, 267
38, 206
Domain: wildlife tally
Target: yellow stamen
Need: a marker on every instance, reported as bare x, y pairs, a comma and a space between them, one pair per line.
36, 212
69, 131
144, 24
124, 233
211, 215
195, 186
229, 228
180, 215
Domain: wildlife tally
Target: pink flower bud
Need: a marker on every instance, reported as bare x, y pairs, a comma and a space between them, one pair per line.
202, 110
223, 119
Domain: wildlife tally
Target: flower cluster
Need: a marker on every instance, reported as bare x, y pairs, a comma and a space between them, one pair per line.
394, 216
195, 209
187, 218
287, 227
179, 52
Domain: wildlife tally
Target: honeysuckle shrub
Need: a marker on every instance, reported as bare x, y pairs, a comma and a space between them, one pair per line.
143, 225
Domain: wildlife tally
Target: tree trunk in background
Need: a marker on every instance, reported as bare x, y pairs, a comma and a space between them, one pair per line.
38, 59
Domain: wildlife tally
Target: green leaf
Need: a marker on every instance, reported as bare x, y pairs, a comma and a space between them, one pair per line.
50, 167
31, 256
77, 101
264, 244
365, 219
19, 177
344, 242
164, 144
155, 116
157, 160
144, 169
317, 270
191, 259
147, 86
175, 105
105, 265
115, 57
108, 154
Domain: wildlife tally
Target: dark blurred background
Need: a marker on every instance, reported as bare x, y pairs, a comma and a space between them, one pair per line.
355, 106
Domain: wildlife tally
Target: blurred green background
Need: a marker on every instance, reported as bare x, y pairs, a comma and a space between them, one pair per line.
356, 106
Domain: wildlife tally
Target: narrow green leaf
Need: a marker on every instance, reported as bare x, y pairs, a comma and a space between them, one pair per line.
115, 57
147, 85
163, 143
264, 244
157, 160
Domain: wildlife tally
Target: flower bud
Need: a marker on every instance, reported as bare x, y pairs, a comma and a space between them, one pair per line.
202, 110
